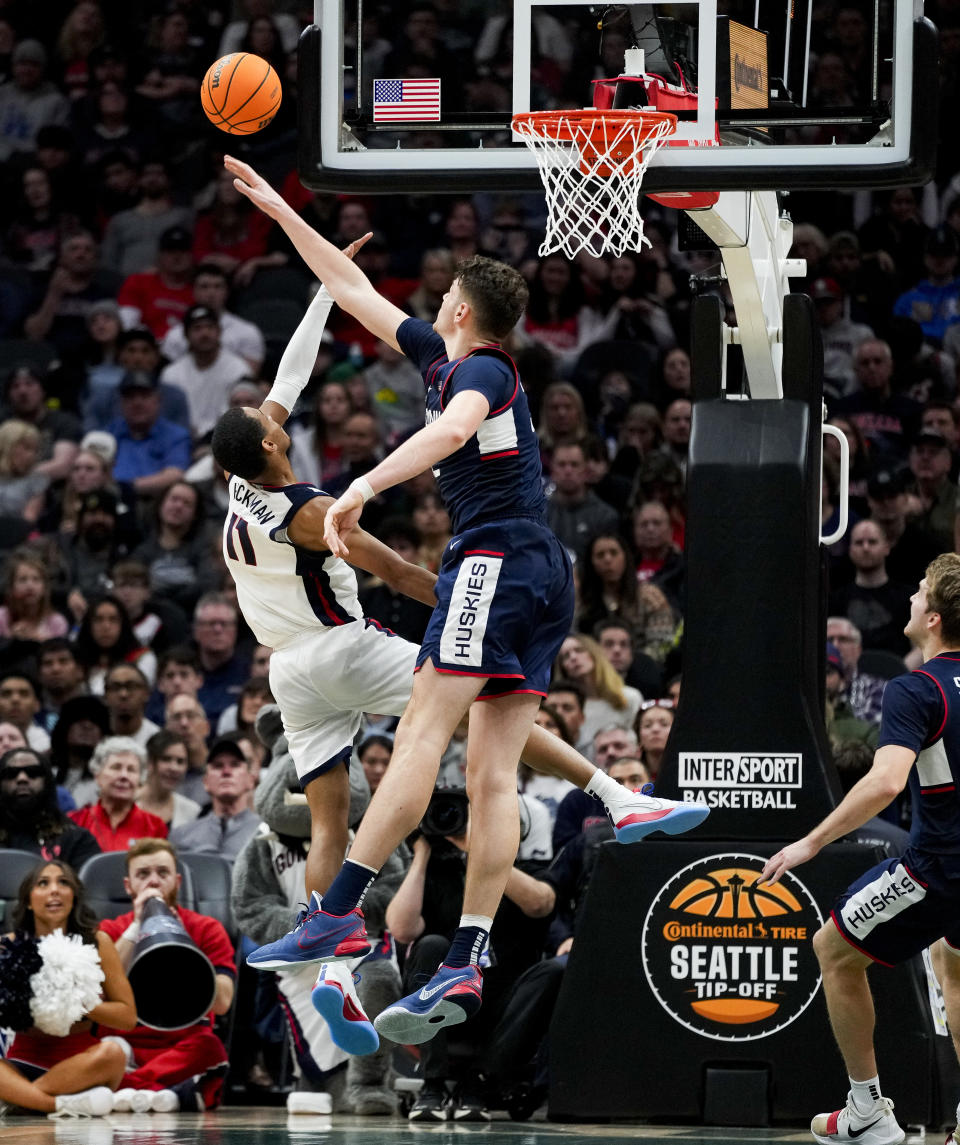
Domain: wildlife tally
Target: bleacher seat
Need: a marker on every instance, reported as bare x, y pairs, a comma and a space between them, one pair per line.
211, 876
15, 865
277, 319
103, 876
274, 282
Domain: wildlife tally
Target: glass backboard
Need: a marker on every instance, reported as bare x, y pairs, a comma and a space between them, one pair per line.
769, 94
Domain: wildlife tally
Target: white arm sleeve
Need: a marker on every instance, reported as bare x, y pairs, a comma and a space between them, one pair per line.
300, 356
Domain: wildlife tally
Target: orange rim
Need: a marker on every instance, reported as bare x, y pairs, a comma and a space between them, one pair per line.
553, 124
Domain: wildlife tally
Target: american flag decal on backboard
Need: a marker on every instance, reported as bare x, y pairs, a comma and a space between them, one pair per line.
405, 99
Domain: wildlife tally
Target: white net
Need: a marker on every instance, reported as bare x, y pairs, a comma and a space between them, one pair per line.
592, 166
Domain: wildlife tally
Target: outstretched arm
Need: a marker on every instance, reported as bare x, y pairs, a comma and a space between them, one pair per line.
366, 552
300, 356
882, 783
452, 429
349, 286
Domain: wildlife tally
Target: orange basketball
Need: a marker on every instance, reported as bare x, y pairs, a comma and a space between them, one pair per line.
240, 93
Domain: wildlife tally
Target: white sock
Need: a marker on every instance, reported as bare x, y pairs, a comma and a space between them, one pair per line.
607, 790
480, 920
866, 1094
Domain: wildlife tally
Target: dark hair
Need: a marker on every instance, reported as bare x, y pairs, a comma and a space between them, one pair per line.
212, 270
199, 519
237, 444
158, 743
591, 585
180, 654
610, 622
50, 820
560, 684
558, 720
55, 644
497, 293
81, 919
89, 652
15, 673
543, 307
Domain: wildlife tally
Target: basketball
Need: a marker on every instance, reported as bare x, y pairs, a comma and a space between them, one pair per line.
240, 93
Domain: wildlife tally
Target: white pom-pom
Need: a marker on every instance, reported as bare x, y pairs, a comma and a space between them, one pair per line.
67, 985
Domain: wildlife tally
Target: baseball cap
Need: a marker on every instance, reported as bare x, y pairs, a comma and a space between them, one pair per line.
225, 744
135, 334
199, 314
822, 288
176, 238
930, 437
136, 380
100, 442
30, 51
100, 499
886, 483
942, 241
104, 306
834, 659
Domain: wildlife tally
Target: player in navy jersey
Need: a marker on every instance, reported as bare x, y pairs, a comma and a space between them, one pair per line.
902, 905
504, 604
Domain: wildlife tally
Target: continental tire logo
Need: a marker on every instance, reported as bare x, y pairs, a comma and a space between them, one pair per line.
728, 958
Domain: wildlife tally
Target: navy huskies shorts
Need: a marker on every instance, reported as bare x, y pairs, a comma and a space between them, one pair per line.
504, 605
894, 911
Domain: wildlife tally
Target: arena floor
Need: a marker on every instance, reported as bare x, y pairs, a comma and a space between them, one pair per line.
253, 1126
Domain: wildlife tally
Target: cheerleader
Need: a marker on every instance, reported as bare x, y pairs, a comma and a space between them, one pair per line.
54, 990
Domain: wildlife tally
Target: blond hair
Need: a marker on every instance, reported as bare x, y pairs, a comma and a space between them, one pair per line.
943, 595
606, 679
14, 432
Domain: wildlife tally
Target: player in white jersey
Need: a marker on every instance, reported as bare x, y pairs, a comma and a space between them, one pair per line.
330, 663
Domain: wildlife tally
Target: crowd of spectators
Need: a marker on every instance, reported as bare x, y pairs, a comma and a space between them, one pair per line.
140, 296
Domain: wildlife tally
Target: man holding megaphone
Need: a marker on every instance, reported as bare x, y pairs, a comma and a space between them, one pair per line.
184, 968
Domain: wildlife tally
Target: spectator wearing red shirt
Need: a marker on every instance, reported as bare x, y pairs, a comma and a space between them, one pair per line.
182, 1065
158, 299
231, 232
118, 765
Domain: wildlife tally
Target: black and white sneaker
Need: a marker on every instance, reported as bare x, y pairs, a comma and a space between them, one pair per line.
878, 1127
431, 1104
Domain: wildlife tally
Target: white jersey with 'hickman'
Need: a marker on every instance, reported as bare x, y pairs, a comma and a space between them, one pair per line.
283, 590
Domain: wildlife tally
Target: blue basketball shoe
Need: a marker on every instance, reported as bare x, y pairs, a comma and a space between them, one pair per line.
335, 998
451, 996
642, 813
317, 937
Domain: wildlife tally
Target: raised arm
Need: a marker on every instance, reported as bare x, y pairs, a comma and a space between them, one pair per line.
348, 285
300, 356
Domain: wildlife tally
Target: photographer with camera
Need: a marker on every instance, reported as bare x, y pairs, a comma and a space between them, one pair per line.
425, 913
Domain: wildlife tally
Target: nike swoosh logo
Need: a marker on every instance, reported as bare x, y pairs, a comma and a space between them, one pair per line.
857, 1132
425, 995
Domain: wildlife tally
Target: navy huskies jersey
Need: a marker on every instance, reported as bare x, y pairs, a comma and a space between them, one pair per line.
283, 590
497, 473
921, 711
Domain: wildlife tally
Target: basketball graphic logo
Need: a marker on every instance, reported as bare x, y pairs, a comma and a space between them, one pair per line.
727, 957
240, 93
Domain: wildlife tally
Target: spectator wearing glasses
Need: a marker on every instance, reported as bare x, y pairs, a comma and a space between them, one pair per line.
114, 820
864, 692
30, 817
225, 668
230, 822
184, 715
578, 810
653, 726
125, 694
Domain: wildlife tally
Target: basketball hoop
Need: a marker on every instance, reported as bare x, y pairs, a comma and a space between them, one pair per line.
592, 164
